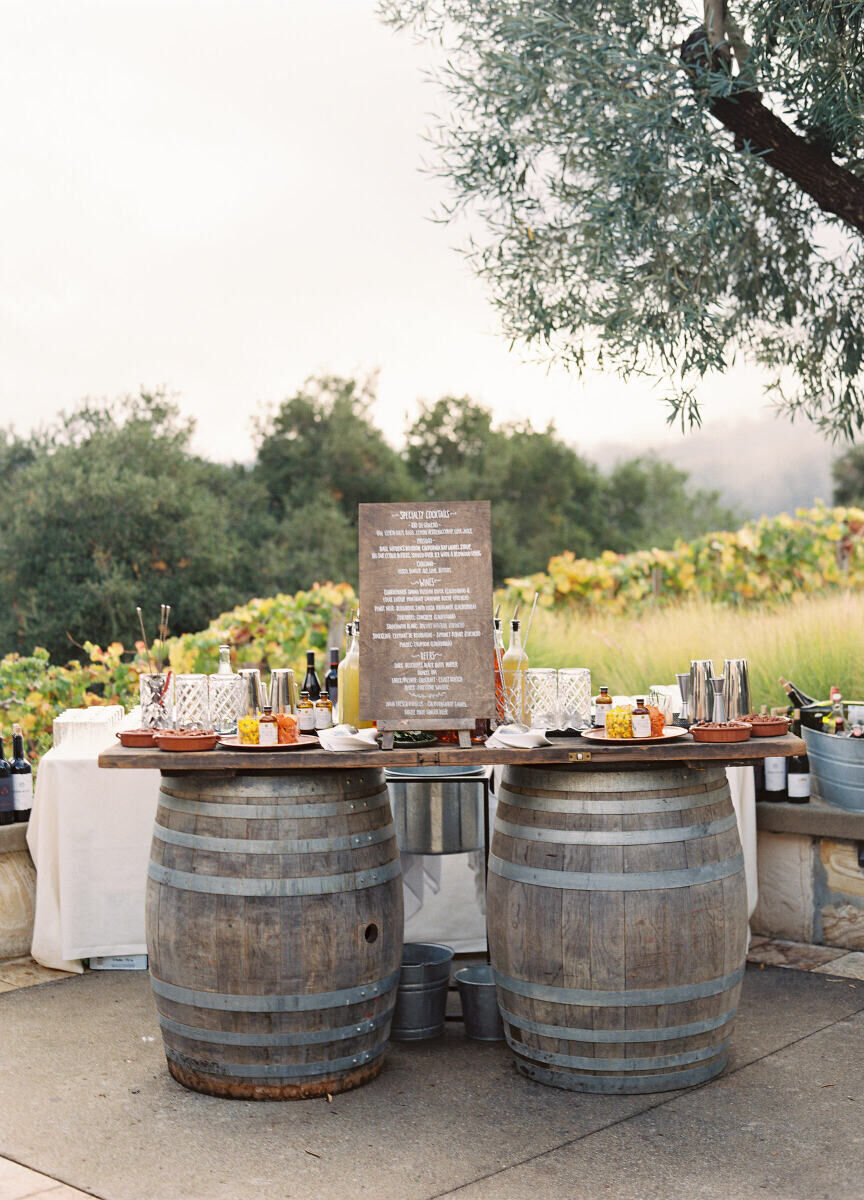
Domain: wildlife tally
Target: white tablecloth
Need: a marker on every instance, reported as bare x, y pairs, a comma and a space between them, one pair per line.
89, 837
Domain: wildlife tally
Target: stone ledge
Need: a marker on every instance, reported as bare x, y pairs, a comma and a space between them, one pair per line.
815, 819
13, 837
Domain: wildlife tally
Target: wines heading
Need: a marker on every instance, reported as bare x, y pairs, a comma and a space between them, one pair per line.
426, 599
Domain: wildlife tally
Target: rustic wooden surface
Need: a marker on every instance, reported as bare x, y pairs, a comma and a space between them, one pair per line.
595, 756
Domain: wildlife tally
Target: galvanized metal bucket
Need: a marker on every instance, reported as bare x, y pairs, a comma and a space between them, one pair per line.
837, 767
421, 999
435, 815
480, 1010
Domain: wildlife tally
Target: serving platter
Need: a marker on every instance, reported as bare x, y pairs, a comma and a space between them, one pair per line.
303, 742
670, 733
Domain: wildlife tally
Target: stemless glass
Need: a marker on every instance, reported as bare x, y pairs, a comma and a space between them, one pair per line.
574, 697
157, 709
541, 697
191, 702
226, 699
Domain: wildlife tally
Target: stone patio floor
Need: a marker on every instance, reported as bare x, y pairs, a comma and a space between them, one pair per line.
88, 1109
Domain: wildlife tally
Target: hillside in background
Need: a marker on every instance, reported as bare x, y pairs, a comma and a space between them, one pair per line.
763, 466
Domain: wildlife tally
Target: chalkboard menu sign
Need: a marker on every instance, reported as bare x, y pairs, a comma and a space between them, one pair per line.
426, 646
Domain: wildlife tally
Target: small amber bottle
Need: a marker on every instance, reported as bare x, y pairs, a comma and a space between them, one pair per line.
305, 713
641, 720
268, 729
602, 705
324, 709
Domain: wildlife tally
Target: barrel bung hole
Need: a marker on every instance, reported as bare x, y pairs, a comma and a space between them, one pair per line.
370, 933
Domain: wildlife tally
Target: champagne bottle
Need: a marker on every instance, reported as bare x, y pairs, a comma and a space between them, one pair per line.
22, 777
797, 698
7, 802
311, 683
798, 769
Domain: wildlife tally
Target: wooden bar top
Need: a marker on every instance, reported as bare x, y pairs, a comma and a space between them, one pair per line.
573, 752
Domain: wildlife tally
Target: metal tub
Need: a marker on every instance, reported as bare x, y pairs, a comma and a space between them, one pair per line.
437, 810
837, 767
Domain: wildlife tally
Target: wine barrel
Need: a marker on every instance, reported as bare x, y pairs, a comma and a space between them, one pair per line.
274, 930
617, 916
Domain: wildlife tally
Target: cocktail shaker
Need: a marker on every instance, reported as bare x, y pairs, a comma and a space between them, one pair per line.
701, 691
736, 688
253, 692
718, 710
282, 695
684, 688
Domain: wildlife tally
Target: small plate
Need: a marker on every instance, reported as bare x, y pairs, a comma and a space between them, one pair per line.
234, 743
670, 733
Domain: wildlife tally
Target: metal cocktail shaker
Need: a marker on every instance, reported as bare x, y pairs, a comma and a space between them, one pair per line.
282, 695
684, 717
701, 691
253, 692
736, 688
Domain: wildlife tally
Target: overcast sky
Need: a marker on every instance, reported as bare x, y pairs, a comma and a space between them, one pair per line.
225, 196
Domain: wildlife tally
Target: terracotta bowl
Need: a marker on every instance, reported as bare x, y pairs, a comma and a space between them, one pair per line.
737, 733
138, 739
775, 728
181, 739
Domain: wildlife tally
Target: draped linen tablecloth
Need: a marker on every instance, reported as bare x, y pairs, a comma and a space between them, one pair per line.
89, 837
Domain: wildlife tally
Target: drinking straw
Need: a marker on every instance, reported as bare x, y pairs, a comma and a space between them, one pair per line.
530, 619
144, 636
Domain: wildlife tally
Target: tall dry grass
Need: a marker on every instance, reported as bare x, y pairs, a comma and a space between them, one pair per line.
816, 641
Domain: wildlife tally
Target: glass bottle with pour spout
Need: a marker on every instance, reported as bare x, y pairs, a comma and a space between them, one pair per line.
351, 683
340, 676
515, 665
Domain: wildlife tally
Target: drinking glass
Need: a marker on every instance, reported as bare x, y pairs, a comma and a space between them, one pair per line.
191, 702
574, 697
226, 698
541, 697
157, 709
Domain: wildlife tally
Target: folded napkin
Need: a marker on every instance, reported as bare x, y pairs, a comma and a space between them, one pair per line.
515, 737
345, 737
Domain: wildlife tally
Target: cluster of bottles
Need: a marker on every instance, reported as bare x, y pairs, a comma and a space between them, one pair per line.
336, 699
16, 781
785, 779
832, 717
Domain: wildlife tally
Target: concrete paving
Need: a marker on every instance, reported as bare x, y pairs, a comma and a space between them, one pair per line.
85, 1099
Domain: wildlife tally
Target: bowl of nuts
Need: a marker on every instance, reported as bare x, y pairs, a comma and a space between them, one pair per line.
720, 731
765, 726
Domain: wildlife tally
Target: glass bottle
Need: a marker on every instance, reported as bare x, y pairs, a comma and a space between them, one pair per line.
7, 800
305, 713
331, 679
515, 666
641, 719
498, 658
602, 705
798, 769
340, 675
268, 729
323, 711
22, 777
311, 683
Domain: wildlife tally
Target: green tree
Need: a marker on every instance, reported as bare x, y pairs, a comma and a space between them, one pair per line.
847, 471
322, 443
657, 203
114, 511
648, 503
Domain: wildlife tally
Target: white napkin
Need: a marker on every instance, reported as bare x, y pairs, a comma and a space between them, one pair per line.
514, 737
340, 739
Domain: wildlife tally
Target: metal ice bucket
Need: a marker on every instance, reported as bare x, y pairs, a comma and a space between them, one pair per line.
435, 815
837, 765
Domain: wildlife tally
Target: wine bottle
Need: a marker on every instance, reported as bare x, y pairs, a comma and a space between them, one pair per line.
22, 777
798, 769
7, 801
310, 679
331, 679
775, 778
797, 698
